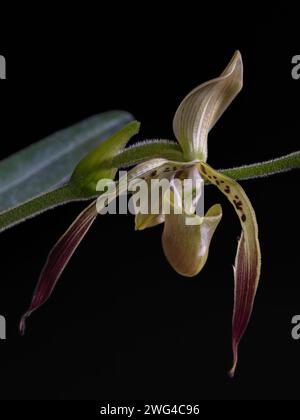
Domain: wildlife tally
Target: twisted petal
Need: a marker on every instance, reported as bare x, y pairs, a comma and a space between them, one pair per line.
248, 258
201, 109
58, 259
186, 246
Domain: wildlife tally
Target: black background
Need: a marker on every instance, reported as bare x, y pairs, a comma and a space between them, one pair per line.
121, 323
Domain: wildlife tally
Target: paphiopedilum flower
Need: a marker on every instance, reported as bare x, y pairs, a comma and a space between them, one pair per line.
186, 246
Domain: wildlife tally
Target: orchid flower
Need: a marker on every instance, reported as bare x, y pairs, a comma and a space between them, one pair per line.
185, 246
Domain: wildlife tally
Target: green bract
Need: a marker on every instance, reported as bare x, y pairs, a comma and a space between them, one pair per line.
98, 164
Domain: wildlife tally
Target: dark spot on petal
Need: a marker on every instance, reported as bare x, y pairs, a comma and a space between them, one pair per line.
218, 183
236, 196
180, 174
238, 204
227, 189
203, 169
222, 182
209, 176
215, 177
244, 218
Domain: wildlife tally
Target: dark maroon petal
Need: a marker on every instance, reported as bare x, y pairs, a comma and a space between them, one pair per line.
58, 259
248, 258
246, 275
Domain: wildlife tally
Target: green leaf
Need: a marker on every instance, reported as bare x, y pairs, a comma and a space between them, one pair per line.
49, 163
98, 163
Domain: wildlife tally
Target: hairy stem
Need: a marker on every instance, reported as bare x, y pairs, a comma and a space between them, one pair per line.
262, 169
69, 193
146, 150
37, 206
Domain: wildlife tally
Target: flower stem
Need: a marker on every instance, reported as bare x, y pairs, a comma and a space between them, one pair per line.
262, 169
38, 205
69, 193
146, 150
